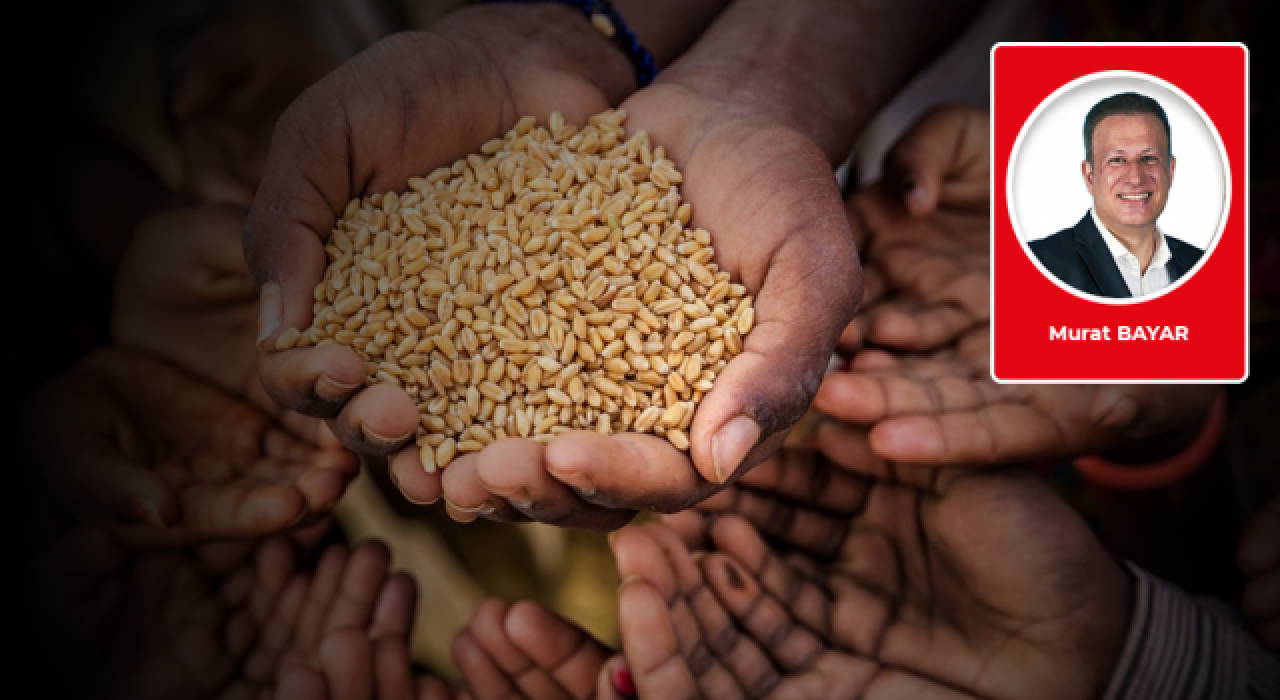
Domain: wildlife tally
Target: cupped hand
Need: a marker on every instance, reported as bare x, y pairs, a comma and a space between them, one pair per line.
407, 105
944, 408
927, 228
828, 583
224, 620
163, 459
523, 650
1259, 557
768, 197
352, 666
185, 295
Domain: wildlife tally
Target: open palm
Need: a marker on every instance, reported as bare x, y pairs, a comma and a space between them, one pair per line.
218, 621
826, 583
167, 460
942, 407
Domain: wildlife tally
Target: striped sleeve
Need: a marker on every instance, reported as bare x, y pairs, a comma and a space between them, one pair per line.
1180, 649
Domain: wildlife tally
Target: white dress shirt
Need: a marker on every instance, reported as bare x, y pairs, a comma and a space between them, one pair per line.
1140, 284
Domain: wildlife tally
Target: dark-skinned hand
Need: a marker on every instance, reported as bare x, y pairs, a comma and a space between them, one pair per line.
826, 581
184, 294
926, 235
943, 407
223, 621
163, 459
761, 182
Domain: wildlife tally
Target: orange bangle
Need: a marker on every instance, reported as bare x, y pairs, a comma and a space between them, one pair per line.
1157, 475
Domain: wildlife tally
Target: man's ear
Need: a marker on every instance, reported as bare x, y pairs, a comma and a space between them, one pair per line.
1173, 163
1086, 169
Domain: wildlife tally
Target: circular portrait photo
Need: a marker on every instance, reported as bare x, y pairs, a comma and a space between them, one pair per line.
1118, 187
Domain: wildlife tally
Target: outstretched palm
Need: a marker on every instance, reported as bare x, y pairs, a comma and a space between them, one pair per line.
943, 407
973, 584
219, 621
156, 446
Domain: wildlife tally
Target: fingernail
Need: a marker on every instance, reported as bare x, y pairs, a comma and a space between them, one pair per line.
381, 441
416, 502
731, 445
329, 389
627, 581
613, 539
270, 311
482, 509
623, 682
147, 511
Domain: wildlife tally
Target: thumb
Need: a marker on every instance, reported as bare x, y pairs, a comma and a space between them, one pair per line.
809, 293
942, 158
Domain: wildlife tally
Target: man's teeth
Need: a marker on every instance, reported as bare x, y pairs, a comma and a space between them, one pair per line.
1135, 197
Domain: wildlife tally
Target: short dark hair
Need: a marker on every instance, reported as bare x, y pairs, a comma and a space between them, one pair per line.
1126, 103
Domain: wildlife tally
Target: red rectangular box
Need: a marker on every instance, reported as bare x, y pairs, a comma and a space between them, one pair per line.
1206, 311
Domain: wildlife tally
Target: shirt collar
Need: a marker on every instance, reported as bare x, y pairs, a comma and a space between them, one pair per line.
1159, 258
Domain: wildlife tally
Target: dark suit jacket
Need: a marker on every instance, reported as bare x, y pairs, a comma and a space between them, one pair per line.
1079, 257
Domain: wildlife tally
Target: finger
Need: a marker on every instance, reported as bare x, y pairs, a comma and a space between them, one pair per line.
419, 486
948, 143
464, 492
559, 648
652, 554
804, 600
281, 619
393, 611
360, 588
485, 680
921, 329
515, 470
347, 659
488, 629
770, 630
998, 433
691, 525
237, 510
1260, 546
615, 680
314, 381
739, 667
802, 477
324, 588
707, 639
652, 652
860, 398
393, 675
378, 421
626, 472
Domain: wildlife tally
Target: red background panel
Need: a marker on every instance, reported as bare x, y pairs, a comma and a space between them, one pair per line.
1212, 303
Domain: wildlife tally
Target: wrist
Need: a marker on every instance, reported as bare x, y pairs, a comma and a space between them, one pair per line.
1149, 466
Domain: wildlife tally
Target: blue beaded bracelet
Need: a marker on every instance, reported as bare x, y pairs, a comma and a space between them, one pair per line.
605, 18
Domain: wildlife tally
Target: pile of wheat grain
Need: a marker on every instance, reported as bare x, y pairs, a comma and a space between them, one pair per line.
546, 284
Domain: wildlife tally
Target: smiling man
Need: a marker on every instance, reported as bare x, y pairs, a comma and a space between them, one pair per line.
1117, 250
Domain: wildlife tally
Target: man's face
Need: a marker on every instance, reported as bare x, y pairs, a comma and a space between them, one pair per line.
1132, 171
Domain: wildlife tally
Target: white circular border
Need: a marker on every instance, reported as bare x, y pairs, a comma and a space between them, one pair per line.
1013, 159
